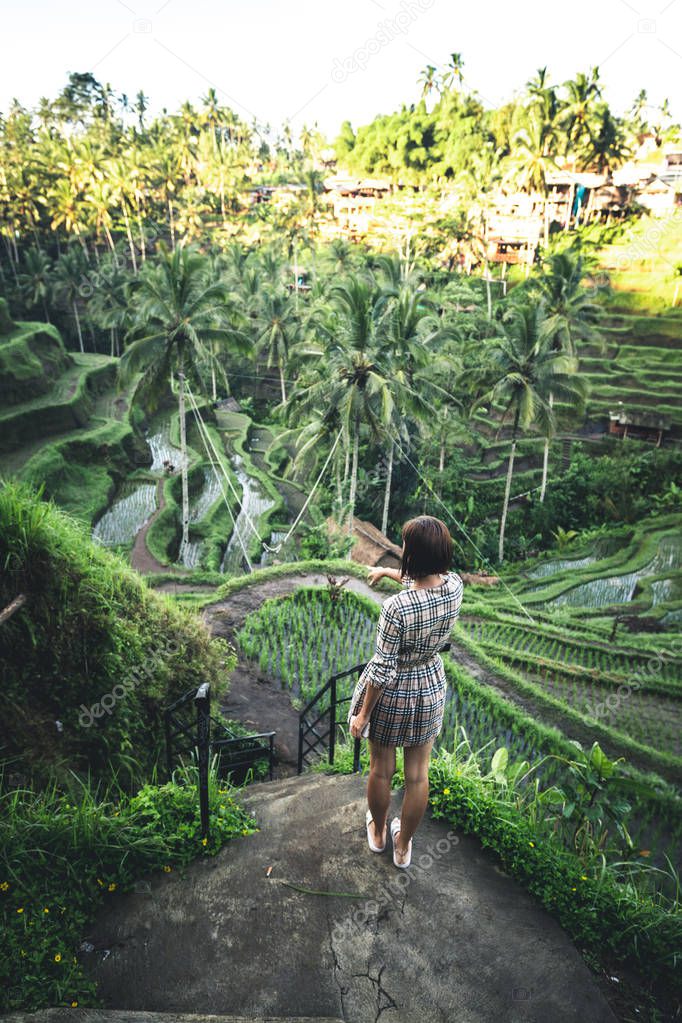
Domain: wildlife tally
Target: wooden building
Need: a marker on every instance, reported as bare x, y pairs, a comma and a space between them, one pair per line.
639, 425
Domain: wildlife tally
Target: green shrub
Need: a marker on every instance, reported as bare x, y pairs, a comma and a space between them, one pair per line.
93, 657
64, 853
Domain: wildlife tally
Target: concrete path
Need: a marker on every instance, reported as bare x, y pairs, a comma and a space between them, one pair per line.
453, 940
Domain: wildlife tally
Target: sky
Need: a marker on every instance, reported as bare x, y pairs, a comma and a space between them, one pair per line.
320, 62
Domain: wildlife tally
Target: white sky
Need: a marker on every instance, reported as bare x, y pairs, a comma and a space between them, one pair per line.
282, 61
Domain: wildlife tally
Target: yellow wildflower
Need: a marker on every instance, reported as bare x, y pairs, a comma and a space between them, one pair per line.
58, 957
4, 886
574, 889
204, 841
74, 1005
532, 845
446, 792
112, 887
167, 869
583, 877
47, 909
100, 882
21, 909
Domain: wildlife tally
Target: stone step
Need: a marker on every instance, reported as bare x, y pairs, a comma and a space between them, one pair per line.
132, 1016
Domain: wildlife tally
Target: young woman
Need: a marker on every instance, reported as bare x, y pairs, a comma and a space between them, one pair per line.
400, 697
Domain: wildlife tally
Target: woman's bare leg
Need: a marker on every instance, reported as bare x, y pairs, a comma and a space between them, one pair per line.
381, 771
416, 794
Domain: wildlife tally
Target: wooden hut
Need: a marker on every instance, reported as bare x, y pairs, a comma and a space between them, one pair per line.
371, 547
641, 425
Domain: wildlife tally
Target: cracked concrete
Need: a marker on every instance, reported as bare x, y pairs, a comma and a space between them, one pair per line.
452, 939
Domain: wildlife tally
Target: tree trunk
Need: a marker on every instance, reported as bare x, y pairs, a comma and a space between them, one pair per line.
545, 458
507, 491
78, 324
354, 474
143, 244
111, 245
183, 458
387, 491
281, 383
126, 220
172, 223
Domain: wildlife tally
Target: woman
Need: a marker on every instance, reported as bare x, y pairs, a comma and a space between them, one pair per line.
400, 697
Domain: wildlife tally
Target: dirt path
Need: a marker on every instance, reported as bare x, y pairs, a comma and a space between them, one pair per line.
140, 557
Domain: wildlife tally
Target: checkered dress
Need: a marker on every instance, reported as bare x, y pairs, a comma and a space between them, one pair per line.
413, 625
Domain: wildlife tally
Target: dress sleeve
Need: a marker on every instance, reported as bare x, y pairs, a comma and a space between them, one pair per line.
383, 665
459, 594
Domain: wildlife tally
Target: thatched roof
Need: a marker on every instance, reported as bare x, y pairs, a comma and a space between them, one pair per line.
371, 547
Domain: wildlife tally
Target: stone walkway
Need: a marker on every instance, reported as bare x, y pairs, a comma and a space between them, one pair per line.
337, 931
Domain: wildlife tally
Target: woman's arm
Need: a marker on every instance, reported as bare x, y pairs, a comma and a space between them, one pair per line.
378, 572
382, 667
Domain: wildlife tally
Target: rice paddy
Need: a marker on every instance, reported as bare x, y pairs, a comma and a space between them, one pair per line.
131, 510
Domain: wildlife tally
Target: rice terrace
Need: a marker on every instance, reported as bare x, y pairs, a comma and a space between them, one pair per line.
237, 356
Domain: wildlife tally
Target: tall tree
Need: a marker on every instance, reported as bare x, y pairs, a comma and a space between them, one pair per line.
179, 309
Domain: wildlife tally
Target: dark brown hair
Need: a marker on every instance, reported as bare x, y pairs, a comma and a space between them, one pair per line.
427, 547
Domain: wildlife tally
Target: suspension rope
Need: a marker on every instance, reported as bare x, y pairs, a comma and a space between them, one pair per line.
202, 430
463, 530
278, 547
239, 500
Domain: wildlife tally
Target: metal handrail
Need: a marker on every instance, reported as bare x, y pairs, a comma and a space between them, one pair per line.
253, 749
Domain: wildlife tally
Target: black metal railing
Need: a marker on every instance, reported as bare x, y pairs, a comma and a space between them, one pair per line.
190, 727
317, 735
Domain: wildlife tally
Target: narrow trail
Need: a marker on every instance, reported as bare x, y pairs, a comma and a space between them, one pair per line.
140, 557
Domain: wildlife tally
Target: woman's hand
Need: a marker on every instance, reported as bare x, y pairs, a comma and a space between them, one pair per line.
358, 723
374, 574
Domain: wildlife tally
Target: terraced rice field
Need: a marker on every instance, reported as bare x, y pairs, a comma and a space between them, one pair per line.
133, 507
299, 641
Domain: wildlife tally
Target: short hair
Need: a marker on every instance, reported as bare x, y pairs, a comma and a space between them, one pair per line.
427, 547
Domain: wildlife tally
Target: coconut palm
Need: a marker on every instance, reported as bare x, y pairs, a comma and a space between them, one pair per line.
36, 280
350, 377
278, 330
180, 307
72, 283
524, 369
571, 316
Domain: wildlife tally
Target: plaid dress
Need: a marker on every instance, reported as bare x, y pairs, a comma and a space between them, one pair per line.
413, 626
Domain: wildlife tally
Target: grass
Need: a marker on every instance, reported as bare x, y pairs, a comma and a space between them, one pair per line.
66, 852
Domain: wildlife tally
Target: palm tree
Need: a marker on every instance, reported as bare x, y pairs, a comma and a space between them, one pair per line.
524, 368
452, 74
278, 330
71, 283
407, 333
351, 379
582, 93
36, 280
571, 316
179, 308
428, 79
